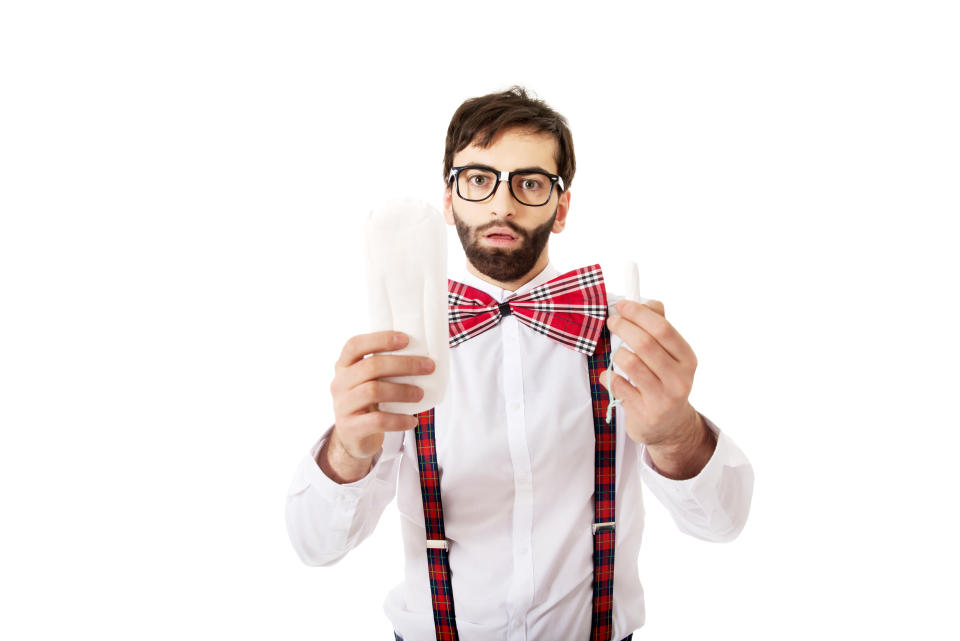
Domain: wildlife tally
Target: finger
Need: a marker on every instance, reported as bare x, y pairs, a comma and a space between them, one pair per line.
373, 422
643, 345
622, 388
359, 346
385, 365
655, 324
639, 374
656, 306
365, 397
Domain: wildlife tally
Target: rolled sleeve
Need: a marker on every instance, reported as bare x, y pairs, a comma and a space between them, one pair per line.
325, 519
714, 504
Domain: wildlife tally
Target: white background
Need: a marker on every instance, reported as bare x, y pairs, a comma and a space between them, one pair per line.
181, 189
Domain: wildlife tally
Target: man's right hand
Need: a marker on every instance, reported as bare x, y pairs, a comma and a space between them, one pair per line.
357, 389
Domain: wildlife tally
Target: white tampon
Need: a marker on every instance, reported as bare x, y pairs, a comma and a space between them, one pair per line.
631, 290
406, 243
631, 281
613, 401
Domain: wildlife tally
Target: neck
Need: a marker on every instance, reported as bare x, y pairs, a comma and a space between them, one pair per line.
513, 285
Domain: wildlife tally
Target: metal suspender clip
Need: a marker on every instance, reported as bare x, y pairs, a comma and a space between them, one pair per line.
610, 525
437, 544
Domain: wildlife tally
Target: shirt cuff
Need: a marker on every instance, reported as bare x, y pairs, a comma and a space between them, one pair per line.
309, 474
326, 519
712, 505
705, 474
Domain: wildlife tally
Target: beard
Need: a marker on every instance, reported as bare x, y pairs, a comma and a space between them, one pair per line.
501, 263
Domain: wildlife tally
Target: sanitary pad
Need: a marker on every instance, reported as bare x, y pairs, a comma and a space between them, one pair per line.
406, 244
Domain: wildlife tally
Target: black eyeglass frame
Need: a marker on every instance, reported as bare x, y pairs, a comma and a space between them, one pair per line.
508, 177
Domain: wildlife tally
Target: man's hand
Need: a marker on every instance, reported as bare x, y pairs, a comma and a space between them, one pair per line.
357, 389
657, 411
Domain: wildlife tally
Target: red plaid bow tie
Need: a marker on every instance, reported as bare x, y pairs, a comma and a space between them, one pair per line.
570, 309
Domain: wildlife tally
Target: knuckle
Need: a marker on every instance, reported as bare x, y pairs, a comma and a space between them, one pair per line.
350, 346
661, 331
379, 421
647, 340
373, 367
373, 390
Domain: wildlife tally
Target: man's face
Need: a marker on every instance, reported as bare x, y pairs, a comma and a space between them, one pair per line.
507, 260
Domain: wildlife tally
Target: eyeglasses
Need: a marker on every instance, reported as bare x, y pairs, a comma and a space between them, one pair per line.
532, 188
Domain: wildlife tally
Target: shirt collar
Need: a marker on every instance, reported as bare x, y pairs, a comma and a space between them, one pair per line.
499, 294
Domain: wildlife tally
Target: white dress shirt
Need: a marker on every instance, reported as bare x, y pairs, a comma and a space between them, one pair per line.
515, 446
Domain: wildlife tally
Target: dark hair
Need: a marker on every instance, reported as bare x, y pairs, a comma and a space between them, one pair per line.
479, 120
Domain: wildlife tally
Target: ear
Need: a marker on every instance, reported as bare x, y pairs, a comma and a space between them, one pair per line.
563, 206
448, 204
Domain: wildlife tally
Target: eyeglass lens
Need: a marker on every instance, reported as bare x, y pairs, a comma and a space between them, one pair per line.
530, 189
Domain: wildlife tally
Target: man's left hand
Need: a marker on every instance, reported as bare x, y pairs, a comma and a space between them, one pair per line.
656, 406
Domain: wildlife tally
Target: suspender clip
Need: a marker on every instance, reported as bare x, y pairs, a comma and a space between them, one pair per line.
437, 544
603, 527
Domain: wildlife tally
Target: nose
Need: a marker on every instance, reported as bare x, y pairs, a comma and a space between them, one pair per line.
502, 203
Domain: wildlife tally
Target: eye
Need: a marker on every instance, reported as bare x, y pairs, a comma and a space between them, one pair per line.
531, 184
478, 179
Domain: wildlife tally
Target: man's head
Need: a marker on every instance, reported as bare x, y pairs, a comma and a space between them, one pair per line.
529, 145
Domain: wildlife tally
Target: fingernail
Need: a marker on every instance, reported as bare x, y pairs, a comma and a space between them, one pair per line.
426, 366
398, 339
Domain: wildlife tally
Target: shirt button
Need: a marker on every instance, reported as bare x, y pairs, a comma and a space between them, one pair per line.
517, 624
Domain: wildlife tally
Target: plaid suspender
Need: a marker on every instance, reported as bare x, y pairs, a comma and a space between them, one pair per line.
438, 563
604, 536
604, 494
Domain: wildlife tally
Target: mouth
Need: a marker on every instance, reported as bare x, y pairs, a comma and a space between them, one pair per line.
500, 236
500, 241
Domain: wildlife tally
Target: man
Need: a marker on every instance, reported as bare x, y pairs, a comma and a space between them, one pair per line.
513, 438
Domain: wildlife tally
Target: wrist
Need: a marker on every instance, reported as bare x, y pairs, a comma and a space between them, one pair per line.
684, 457
339, 465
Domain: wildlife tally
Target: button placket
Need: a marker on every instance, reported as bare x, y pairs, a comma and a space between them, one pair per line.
520, 594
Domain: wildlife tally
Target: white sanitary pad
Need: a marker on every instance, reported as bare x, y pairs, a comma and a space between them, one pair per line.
406, 243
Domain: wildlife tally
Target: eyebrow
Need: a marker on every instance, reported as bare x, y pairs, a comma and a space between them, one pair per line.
521, 170
535, 168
